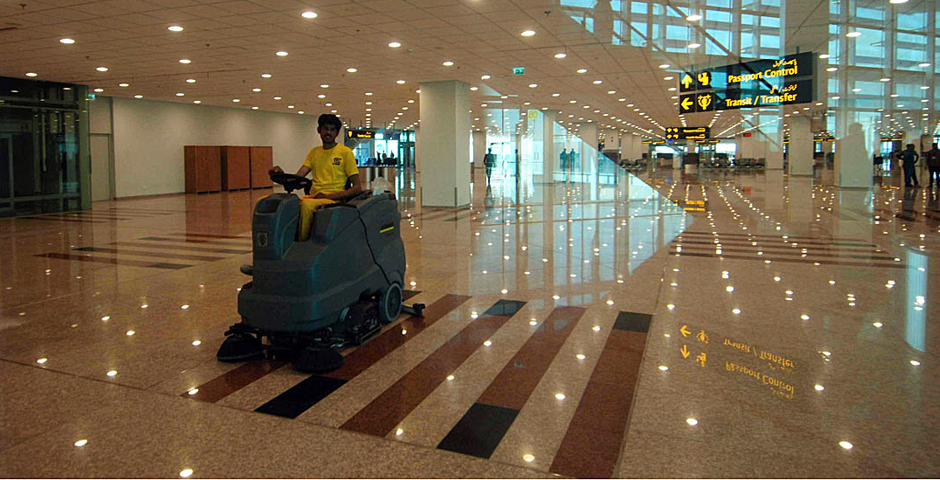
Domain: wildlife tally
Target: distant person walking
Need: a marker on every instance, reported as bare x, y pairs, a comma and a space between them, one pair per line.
932, 157
489, 161
909, 158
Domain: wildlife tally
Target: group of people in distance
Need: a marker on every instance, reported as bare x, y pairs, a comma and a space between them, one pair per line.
909, 158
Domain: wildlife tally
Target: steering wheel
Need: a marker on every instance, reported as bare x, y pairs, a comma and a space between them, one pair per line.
291, 182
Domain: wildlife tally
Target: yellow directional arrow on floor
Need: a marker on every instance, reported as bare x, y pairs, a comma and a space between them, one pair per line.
684, 351
684, 331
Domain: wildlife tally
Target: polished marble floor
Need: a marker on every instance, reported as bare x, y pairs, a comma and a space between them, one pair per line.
656, 324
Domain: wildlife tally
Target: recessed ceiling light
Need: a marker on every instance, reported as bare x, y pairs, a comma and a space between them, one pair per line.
321, 96
31, 74
925, 64
485, 77
277, 98
369, 94
665, 65
561, 55
853, 34
694, 17
823, 55
694, 45
102, 69
185, 61
138, 96
533, 85
352, 69
448, 63
290, 106
582, 70
885, 79
180, 94
324, 85
175, 28
256, 90
598, 82
67, 41
831, 69
394, 44
282, 53
400, 82
99, 90
309, 14
190, 80
473, 89
528, 33
124, 85
265, 75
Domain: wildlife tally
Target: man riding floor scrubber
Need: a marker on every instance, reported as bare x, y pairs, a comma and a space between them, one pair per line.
310, 296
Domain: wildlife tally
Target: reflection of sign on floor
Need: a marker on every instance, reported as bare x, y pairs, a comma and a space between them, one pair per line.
768, 369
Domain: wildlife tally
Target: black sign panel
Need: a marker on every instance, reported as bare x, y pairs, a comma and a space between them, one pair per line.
690, 133
760, 83
360, 134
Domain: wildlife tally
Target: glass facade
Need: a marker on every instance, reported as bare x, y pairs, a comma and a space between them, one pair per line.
43, 147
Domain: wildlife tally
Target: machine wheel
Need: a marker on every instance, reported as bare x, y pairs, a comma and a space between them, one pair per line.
240, 347
390, 303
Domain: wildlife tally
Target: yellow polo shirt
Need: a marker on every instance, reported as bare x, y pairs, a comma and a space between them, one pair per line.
331, 168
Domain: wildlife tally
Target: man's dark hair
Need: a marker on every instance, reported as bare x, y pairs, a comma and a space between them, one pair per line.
329, 119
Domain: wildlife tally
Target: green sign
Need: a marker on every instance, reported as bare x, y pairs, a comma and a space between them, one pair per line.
92, 96
518, 70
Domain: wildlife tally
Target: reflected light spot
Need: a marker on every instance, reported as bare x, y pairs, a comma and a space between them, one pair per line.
560, 396
144, 306
736, 311
186, 473
915, 363
399, 432
671, 306
106, 318
130, 333
81, 443
112, 373
196, 343
691, 421
845, 445
878, 324
663, 368
819, 387
580, 356
487, 343
450, 377
185, 307
529, 458
193, 391
42, 360
596, 328
804, 317
729, 289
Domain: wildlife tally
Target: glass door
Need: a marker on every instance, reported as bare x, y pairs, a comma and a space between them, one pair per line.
6, 174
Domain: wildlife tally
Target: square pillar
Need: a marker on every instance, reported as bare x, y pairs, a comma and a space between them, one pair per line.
444, 144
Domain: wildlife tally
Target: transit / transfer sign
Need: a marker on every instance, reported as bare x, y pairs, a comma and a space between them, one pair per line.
690, 133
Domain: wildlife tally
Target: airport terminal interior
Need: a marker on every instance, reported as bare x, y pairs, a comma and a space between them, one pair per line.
664, 238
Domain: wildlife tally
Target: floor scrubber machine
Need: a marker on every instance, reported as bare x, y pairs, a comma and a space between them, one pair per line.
309, 298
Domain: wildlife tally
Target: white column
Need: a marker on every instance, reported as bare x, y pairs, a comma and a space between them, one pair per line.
479, 148
852, 167
445, 135
801, 146
588, 133
551, 159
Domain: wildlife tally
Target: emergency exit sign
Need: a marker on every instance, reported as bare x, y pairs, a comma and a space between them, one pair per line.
518, 70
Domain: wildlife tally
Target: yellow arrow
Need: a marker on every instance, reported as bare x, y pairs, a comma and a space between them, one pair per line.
684, 351
684, 331
686, 104
686, 81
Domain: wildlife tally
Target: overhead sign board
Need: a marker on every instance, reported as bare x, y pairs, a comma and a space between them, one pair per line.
360, 134
761, 83
518, 71
688, 133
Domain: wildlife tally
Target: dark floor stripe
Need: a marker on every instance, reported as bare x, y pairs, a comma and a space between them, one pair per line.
633, 322
181, 247
234, 380
592, 443
190, 240
797, 238
86, 216
789, 260
209, 235
790, 253
122, 251
302, 396
776, 246
387, 410
114, 261
505, 308
513, 386
480, 430
376, 349
68, 220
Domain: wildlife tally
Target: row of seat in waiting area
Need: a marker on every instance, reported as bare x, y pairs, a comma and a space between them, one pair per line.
735, 163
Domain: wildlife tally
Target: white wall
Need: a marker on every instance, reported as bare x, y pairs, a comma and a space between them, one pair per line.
149, 137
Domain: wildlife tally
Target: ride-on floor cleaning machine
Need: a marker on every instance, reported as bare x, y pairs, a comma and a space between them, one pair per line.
312, 297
